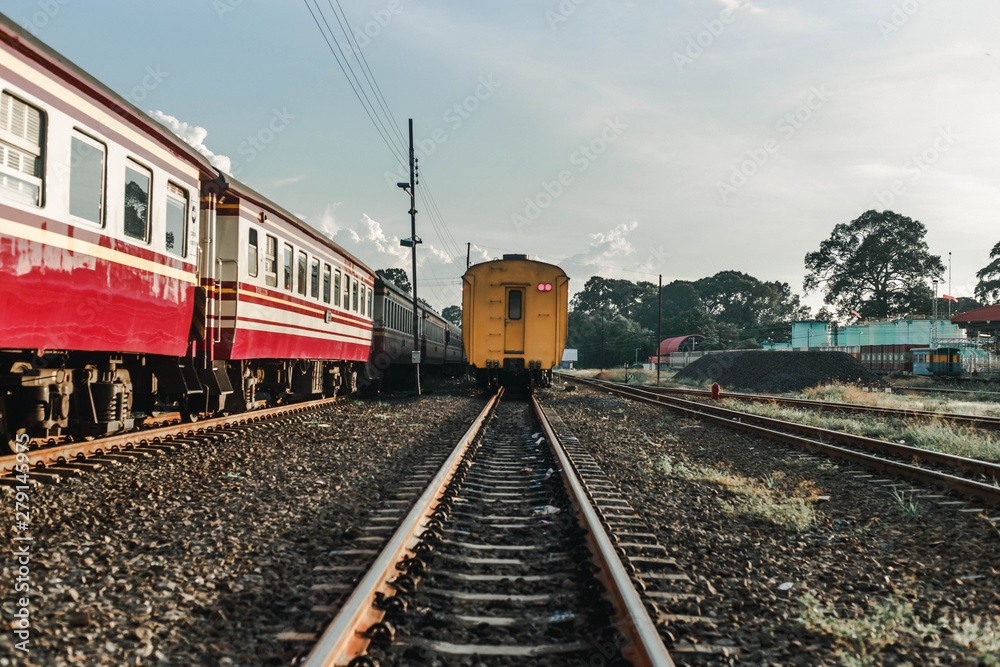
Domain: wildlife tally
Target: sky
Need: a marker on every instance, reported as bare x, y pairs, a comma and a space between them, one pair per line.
621, 138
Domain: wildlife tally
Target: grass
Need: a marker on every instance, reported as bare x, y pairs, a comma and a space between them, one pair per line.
839, 393
861, 638
938, 435
906, 503
774, 499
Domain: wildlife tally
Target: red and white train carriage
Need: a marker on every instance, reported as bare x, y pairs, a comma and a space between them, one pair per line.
118, 298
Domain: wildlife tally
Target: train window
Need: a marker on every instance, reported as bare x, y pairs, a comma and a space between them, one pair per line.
354, 294
137, 183
347, 292
176, 232
370, 299
336, 288
302, 273
364, 305
314, 278
271, 261
252, 253
326, 283
21, 143
86, 179
288, 267
514, 304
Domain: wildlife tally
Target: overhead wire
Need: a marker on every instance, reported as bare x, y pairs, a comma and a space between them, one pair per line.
386, 126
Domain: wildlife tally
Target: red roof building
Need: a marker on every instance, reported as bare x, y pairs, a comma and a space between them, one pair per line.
986, 318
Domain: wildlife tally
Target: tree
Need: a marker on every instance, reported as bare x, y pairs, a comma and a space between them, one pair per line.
872, 264
988, 288
612, 296
739, 299
397, 277
453, 314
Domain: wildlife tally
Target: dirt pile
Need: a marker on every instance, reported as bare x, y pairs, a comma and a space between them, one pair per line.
777, 372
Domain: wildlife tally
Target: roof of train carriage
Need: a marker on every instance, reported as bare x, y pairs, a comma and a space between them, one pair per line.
262, 201
987, 317
508, 257
23, 41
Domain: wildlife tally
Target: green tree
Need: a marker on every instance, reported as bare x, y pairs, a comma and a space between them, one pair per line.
739, 299
453, 314
872, 264
612, 296
988, 288
397, 277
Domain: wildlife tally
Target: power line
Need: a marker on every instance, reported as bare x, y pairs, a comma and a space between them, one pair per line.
378, 125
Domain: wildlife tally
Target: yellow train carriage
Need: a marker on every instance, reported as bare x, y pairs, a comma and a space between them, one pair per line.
514, 319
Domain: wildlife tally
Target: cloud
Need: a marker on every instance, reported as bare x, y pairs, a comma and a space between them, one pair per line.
288, 181
194, 136
737, 5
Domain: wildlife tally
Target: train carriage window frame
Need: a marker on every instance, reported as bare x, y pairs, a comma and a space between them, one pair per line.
270, 260
327, 278
354, 296
176, 220
515, 306
371, 298
347, 291
336, 288
23, 129
139, 171
314, 278
253, 252
301, 264
288, 259
81, 178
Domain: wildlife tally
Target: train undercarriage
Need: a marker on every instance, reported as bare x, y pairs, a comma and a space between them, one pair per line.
83, 395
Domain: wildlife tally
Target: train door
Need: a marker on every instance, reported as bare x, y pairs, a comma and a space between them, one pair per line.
513, 332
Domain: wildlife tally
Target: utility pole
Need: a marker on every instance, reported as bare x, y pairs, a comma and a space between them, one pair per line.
659, 327
602, 338
411, 189
468, 255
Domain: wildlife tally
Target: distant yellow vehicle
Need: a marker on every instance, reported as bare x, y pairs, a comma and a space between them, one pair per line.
514, 319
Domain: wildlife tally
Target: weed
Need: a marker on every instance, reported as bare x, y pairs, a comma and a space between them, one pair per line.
906, 503
861, 638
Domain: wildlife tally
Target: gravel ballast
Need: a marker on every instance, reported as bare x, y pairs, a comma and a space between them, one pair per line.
867, 582
204, 556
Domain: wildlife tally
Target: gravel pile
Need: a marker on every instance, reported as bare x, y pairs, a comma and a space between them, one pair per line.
204, 556
868, 583
777, 372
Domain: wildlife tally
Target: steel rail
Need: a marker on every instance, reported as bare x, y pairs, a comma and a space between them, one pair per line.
976, 466
978, 421
988, 493
344, 639
54, 454
644, 646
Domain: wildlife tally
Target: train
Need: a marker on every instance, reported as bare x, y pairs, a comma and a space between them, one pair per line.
514, 318
135, 278
439, 341
899, 359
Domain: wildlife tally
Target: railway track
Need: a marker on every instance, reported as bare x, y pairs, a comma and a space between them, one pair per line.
52, 463
943, 471
506, 558
977, 421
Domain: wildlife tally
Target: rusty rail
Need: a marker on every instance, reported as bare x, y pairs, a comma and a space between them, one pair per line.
55, 454
988, 493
